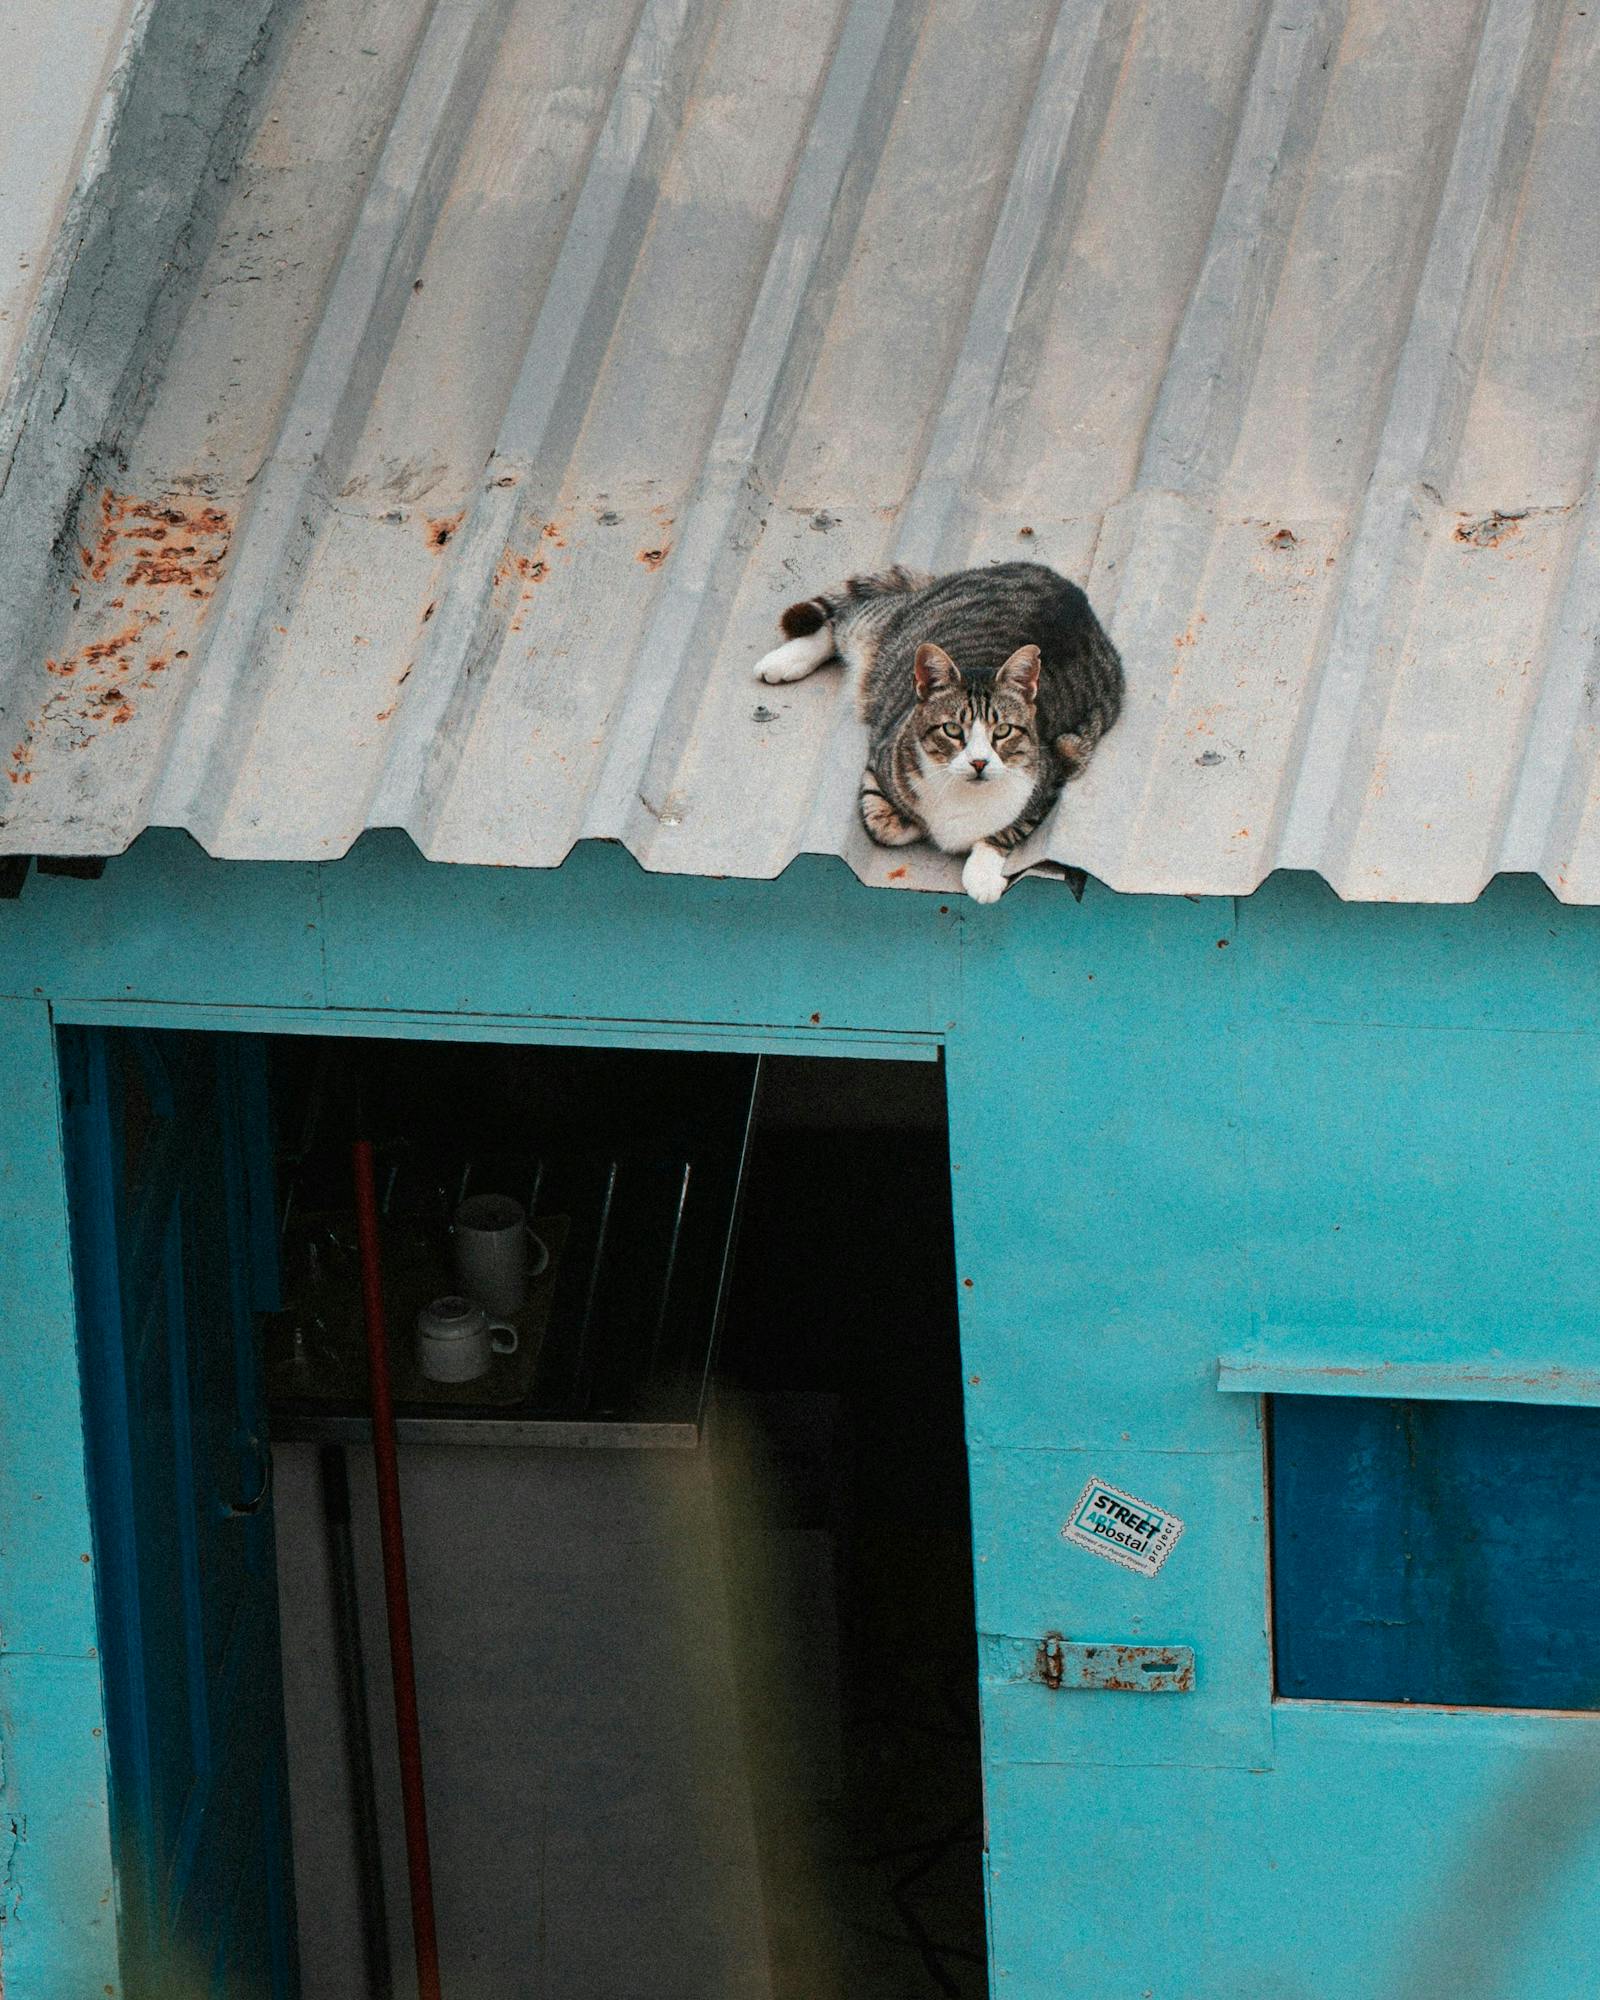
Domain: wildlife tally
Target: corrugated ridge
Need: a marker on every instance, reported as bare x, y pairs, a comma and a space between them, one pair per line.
1443, 343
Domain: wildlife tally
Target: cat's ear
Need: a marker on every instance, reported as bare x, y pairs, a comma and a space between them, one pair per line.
1020, 674
934, 669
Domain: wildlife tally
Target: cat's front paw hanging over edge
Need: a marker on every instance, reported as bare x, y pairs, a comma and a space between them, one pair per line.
984, 876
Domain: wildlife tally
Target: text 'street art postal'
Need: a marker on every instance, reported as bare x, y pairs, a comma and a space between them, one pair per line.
1110, 1523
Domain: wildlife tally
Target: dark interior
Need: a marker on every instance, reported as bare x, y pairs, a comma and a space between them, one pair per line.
759, 1249
629, 1162
841, 1346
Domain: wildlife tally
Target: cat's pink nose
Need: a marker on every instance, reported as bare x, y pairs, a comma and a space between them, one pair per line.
979, 763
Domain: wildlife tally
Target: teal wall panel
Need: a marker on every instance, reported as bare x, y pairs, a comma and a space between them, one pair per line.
1377, 1861
168, 923
1093, 1883
1031, 1581
1515, 959
56, 1933
1098, 1172
1179, 1130
1451, 1856
58, 1922
599, 939
1418, 1191
1373, 1864
44, 1515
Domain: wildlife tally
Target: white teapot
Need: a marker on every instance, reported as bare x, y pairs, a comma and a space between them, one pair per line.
457, 1340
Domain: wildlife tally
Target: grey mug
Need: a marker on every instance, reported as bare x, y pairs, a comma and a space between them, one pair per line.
496, 1252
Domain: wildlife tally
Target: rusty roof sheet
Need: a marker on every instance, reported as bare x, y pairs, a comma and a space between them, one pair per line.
545, 351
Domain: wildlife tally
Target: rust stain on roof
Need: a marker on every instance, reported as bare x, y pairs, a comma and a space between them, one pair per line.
529, 569
149, 558
529, 572
173, 542
1491, 529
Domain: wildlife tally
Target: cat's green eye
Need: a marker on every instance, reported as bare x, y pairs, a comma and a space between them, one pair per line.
1001, 729
954, 731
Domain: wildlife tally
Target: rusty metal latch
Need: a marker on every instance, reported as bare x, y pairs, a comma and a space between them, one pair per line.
1068, 1663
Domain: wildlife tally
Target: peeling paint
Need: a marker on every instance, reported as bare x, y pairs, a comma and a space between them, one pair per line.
15, 1839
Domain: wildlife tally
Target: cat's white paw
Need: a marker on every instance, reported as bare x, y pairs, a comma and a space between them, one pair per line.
796, 658
984, 876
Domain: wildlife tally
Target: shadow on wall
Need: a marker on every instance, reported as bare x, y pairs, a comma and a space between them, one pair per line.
1491, 1890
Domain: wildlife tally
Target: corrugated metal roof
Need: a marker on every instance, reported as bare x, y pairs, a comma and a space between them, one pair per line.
546, 351
60, 55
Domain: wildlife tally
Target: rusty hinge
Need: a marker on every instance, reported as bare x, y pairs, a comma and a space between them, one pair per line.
1067, 1663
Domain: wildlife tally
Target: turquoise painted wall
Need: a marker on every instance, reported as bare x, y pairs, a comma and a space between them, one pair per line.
59, 1931
1180, 1130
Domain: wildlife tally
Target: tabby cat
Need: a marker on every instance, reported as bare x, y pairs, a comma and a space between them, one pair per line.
983, 691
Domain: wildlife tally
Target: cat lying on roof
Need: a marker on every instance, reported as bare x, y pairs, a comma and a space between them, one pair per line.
984, 692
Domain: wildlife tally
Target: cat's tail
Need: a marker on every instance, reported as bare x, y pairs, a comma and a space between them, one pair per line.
813, 628
830, 607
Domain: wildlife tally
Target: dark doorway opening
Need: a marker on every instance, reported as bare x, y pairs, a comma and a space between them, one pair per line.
846, 1517
690, 1578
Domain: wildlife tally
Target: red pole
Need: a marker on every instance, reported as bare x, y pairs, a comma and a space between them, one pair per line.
396, 1598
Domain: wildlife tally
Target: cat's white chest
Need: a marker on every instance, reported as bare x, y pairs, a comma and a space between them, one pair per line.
958, 812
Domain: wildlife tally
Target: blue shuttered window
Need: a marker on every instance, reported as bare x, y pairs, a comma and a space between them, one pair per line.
1436, 1552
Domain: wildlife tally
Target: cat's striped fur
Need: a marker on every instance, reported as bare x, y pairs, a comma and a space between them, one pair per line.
983, 691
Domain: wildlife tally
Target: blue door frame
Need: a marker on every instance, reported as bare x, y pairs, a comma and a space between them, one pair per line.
175, 1254
1282, 1133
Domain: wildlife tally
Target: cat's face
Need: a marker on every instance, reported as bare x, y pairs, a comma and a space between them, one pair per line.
981, 731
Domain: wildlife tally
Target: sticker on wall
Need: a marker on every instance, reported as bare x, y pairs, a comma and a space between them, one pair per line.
1110, 1523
